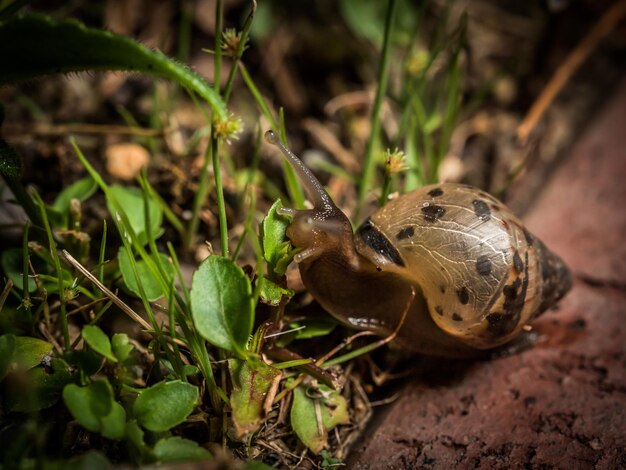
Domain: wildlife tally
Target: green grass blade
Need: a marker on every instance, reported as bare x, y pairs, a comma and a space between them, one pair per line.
59, 273
25, 262
291, 178
242, 46
295, 191
217, 55
383, 77
219, 192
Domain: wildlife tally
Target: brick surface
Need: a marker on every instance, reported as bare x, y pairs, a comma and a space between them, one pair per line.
582, 212
561, 403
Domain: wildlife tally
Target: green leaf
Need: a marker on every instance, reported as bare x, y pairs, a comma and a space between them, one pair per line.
190, 370
121, 346
7, 351
286, 252
254, 387
37, 388
314, 327
82, 190
221, 304
165, 405
30, 352
152, 287
130, 200
177, 449
92, 460
98, 341
36, 45
274, 230
13, 267
366, 19
113, 424
276, 250
328, 460
95, 409
264, 23
79, 401
135, 435
309, 404
271, 293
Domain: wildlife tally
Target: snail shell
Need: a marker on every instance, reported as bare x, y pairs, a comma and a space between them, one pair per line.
483, 275
448, 261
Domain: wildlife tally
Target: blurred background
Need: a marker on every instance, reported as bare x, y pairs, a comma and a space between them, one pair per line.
462, 76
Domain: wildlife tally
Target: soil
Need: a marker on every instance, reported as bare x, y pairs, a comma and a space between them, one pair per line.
561, 403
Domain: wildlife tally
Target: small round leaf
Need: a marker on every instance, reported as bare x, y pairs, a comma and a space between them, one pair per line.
98, 341
152, 288
37, 388
130, 201
165, 405
89, 405
29, 352
114, 424
122, 346
177, 449
7, 348
13, 266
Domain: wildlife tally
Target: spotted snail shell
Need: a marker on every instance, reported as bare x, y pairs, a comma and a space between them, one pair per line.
483, 274
448, 262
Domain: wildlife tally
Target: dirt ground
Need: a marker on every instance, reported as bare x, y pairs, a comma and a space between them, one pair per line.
562, 403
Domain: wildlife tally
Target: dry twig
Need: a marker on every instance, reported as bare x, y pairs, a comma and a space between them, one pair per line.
574, 60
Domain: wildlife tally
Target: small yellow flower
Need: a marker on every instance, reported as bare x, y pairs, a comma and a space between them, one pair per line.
395, 162
229, 129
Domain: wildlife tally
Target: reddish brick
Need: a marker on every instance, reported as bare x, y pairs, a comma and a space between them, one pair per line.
582, 215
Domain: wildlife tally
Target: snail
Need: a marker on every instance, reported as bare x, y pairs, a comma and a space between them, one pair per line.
448, 261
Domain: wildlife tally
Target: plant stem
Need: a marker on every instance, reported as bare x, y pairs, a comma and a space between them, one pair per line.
219, 190
247, 224
57, 267
217, 56
184, 32
203, 189
25, 259
383, 77
384, 193
242, 47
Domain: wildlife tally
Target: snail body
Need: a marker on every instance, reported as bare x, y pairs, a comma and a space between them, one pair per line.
448, 262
